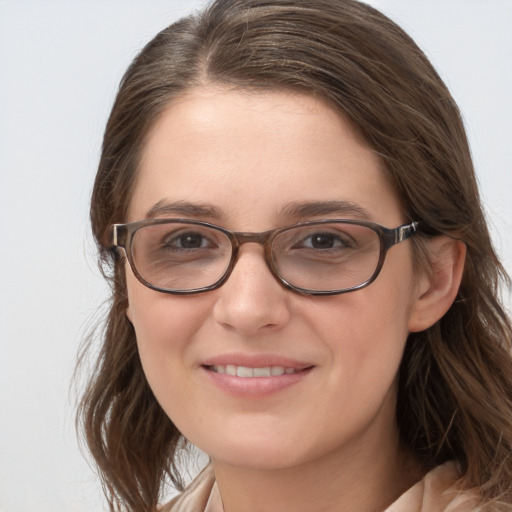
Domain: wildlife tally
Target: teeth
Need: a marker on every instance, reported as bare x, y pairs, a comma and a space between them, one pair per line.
245, 371
276, 370
262, 372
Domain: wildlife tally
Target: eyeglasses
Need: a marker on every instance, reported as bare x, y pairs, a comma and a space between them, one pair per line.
323, 257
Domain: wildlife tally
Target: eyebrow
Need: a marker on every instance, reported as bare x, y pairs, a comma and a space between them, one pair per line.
318, 208
186, 208
296, 209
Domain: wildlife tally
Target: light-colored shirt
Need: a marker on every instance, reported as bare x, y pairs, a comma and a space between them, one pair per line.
440, 490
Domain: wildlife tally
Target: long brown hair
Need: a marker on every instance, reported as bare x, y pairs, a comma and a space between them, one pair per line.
455, 388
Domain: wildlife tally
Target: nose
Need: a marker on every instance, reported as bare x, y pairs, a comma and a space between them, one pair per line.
252, 300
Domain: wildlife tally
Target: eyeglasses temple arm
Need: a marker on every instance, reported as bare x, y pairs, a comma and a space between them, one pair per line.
405, 232
117, 236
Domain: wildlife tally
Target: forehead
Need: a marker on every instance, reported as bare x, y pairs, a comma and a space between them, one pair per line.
251, 153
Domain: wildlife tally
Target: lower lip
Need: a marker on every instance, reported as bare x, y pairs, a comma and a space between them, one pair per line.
254, 387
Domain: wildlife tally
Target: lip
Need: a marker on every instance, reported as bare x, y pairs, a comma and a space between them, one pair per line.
255, 361
254, 387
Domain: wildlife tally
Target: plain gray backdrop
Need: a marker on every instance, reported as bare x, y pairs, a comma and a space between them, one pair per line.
60, 63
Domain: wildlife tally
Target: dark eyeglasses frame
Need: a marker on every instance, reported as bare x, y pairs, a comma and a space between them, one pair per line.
122, 237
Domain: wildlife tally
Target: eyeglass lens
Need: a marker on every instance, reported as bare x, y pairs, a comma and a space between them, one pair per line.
331, 256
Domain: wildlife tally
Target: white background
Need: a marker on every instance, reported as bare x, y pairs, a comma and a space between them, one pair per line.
60, 63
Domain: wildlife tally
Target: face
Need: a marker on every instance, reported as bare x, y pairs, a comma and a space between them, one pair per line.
247, 162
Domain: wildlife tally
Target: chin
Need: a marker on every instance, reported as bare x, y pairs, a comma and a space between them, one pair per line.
257, 451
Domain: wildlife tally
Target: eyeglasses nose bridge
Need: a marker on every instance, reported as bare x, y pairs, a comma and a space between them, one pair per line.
243, 237
264, 239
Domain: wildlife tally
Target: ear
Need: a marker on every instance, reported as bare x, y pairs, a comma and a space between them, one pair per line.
437, 289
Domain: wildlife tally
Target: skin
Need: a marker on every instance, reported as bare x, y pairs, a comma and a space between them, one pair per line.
330, 441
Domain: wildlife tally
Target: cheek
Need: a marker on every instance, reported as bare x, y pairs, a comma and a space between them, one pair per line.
366, 344
367, 330
366, 351
164, 325
370, 318
159, 317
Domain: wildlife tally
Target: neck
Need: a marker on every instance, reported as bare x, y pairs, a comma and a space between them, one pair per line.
367, 477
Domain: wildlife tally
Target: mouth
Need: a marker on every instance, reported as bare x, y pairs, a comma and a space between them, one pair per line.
255, 379
249, 372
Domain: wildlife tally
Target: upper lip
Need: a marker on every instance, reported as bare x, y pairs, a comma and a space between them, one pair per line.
255, 361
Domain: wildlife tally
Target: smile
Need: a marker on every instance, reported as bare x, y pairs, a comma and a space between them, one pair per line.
245, 371
254, 376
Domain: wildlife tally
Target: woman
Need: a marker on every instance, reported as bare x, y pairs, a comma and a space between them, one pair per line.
303, 283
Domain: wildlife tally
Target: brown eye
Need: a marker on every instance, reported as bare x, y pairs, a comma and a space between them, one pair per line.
190, 241
323, 241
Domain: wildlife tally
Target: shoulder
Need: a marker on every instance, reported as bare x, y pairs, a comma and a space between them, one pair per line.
195, 497
441, 490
